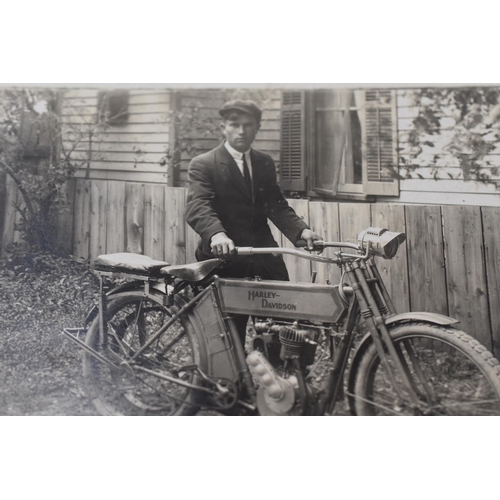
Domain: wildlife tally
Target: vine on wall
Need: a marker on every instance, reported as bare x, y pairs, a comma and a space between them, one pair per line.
472, 116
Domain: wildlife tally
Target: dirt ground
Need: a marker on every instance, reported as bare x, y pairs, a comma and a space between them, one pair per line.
40, 369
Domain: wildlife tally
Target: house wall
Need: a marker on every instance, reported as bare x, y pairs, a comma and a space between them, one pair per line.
423, 188
137, 151
134, 151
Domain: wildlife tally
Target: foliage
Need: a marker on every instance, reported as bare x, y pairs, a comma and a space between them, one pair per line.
39, 154
474, 132
40, 369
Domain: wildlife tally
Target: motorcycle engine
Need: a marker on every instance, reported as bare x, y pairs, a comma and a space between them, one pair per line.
276, 348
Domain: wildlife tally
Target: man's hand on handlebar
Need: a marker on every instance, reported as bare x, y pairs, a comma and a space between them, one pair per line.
310, 237
222, 246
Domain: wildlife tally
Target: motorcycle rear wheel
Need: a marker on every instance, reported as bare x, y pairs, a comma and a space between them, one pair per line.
132, 320
452, 373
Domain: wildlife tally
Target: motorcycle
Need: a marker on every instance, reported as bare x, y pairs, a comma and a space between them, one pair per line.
164, 342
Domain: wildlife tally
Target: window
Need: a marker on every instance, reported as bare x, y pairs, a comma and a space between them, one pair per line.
113, 107
339, 142
38, 124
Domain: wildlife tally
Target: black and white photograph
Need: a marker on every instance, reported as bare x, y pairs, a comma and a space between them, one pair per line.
182, 247
250, 251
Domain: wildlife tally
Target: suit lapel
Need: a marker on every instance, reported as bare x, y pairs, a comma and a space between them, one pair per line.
257, 172
232, 172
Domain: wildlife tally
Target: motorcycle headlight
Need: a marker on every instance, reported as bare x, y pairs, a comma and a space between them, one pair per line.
384, 243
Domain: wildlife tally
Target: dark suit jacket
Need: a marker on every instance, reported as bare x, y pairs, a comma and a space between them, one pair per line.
219, 200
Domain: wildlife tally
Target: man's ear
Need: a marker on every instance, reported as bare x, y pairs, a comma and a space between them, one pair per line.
222, 127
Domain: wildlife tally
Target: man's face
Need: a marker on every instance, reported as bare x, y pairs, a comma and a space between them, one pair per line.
240, 130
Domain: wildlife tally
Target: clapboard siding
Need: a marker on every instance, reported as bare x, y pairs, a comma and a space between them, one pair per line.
126, 176
119, 147
134, 151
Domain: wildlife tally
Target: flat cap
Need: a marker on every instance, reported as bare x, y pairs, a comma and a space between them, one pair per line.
248, 107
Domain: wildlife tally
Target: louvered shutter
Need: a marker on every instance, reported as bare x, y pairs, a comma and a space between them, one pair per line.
380, 144
292, 175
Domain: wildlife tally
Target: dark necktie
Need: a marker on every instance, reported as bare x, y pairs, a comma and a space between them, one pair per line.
246, 174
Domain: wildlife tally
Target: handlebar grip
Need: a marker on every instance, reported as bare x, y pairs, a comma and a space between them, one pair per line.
317, 246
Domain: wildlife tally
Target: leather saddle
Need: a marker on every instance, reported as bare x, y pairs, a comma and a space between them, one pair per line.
193, 272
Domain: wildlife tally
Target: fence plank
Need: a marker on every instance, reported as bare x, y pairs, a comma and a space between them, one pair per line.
192, 239
394, 272
134, 223
191, 243
465, 270
491, 235
298, 269
354, 217
426, 272
154, 221
98, 209
81, 225
115, 217
175, 226
324, 219
65, 219
11, 193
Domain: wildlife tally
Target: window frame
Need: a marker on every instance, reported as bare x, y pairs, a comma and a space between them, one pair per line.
366, 190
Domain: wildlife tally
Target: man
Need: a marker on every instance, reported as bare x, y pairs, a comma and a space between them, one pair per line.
232, 192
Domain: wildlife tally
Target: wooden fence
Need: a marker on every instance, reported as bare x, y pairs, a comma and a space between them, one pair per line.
450, 263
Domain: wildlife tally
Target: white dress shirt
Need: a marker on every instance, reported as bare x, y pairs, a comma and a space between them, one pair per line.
238, 158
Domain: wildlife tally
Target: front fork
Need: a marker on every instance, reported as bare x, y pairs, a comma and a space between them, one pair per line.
370, 310
334, 384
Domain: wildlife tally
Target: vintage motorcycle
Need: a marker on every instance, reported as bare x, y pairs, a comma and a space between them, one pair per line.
164, 342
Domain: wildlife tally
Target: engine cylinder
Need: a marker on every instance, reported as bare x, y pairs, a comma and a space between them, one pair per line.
298, 344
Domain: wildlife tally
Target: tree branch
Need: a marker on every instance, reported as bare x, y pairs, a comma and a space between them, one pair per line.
19, 184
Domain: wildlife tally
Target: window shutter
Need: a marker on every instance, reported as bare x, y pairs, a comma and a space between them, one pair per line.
35, 133
380, 144
292, 171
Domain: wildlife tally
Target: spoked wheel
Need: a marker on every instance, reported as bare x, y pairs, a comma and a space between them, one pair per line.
143, 386
452, 374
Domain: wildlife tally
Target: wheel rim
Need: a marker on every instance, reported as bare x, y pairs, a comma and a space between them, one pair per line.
450, 382
128, 390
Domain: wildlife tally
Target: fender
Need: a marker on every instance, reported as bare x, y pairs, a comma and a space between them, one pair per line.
436, 319
366, 341
126, 287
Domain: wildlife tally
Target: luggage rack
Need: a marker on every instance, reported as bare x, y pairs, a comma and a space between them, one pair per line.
125, 265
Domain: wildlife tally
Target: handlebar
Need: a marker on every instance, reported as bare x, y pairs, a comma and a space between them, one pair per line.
318, 246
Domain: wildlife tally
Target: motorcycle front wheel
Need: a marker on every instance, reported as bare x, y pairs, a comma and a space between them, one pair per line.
451, 374
136, 387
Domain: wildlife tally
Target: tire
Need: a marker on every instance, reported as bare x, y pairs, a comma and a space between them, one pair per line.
461, 375
133, 318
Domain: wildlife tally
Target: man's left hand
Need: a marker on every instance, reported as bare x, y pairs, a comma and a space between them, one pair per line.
310, 237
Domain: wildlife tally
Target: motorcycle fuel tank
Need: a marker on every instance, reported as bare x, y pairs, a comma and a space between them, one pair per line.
281, 299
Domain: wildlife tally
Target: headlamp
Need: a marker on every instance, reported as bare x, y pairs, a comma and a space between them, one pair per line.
383, 242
